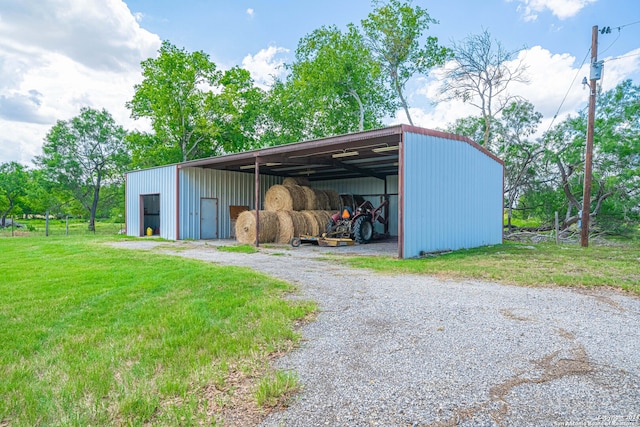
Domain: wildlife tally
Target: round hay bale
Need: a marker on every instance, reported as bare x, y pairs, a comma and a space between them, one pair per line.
303, 222
295, 181
322, 200
300, 224
323, 218
286, 227
278, 198
310, 198
298, 196
246, 227
312, 223
283, 198
335, 202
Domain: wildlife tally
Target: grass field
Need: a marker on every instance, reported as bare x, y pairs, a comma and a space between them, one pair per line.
92, 335
532, 265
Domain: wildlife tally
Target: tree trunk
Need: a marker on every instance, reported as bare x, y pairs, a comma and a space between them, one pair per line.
361, 108
5, 213
487, 127
94, 204
402, 100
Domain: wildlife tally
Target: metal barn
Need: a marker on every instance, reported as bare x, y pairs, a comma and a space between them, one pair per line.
445, 191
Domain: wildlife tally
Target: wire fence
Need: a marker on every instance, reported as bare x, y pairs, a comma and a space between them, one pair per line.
67, 226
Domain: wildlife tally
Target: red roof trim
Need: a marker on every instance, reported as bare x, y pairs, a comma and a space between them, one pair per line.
446, 135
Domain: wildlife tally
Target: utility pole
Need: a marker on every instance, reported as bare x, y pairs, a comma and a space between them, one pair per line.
586, 195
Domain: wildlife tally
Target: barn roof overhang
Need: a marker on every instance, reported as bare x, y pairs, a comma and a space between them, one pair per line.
371, 153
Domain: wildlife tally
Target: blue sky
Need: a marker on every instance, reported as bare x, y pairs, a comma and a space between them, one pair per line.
56, 57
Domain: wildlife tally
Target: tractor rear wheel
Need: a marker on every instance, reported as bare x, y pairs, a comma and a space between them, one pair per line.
362, 229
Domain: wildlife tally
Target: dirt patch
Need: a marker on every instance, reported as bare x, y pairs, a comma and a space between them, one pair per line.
552, 366
510, 315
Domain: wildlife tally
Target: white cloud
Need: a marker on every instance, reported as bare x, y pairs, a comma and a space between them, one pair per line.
562, 9
265, 65
58, 56
550, 79
620, 68
250, 12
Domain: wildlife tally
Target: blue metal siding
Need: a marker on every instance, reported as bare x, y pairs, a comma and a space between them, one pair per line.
161, 181
230, 188
368, 186
452, 195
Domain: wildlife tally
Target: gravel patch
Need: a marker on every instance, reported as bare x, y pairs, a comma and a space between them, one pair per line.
411, 350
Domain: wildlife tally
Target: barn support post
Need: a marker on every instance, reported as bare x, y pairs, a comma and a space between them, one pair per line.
257, 199
401, 196
386, 208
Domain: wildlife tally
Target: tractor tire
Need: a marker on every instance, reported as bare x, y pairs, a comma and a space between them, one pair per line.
362, 229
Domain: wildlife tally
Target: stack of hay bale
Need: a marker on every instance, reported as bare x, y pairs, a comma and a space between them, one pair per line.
291, 209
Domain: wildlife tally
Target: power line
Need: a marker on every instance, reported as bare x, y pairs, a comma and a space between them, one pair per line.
621, 57
612, 43
607, 30
569, 90
627, 25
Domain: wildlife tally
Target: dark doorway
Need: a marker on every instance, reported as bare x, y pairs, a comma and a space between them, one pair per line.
149, 214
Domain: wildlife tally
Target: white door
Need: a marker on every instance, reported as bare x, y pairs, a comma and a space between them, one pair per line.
208, 218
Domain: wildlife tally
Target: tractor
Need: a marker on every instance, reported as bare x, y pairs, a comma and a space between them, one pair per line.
356, 219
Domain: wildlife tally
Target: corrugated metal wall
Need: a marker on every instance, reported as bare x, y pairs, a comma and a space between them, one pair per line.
230, 188
452, 196
368, 187
161, 181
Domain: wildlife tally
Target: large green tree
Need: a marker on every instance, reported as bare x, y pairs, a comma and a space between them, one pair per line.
173, 95
83, 154
195, 109
394, 32
236, 112
616, 158
480, 74
13, 185
521, 151
334, 86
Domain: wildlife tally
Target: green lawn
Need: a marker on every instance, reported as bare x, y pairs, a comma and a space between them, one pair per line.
92, 335
540, 264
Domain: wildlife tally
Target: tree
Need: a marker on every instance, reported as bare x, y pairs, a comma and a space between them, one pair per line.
195, 110
236, 112
83, 154
173, 95
334, 87
147, 150
13, 185
339, 76
394, 31
471, 127
520, 152
480, 74
44, 196
616, 162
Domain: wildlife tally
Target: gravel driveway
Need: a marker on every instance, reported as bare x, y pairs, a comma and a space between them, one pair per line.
417, 351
